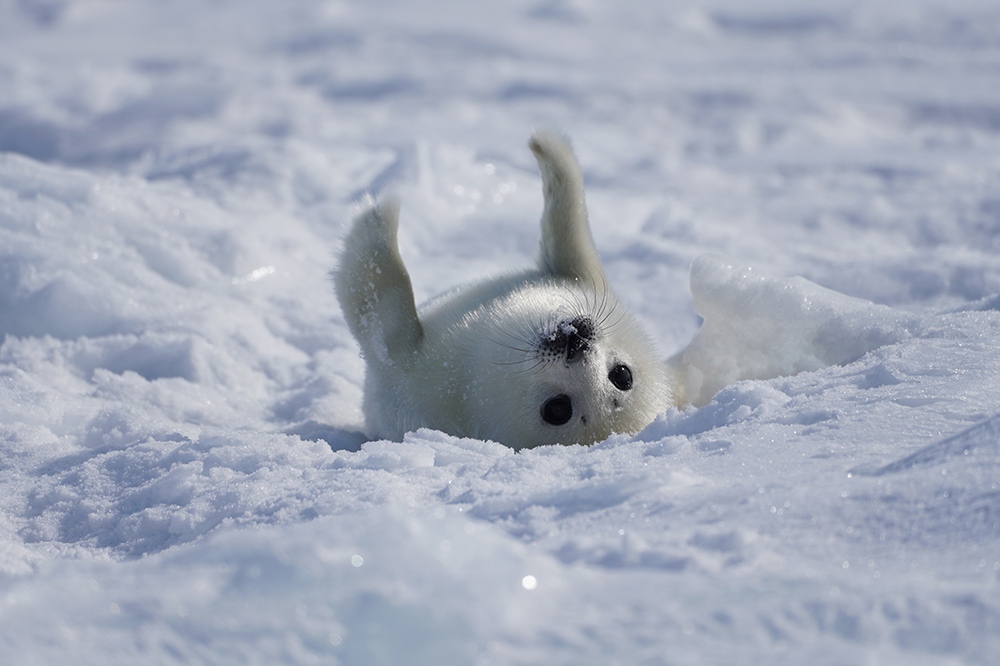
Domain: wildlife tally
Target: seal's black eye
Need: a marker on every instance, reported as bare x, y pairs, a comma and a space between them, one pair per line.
621, 377
558, 410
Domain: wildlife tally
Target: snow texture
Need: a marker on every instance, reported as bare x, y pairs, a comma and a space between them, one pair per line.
182, 473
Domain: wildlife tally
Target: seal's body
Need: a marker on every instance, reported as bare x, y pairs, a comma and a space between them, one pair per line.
548, 356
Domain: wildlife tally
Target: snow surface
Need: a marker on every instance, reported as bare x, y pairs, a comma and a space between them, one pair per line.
182, 479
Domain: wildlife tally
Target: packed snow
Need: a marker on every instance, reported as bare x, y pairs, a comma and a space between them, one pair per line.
800, 201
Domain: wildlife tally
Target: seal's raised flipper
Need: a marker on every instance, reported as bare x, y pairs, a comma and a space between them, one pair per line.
567, 248
374, 288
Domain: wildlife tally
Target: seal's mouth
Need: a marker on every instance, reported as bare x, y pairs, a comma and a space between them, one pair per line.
570, 339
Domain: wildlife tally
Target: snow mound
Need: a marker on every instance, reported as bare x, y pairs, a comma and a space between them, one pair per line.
760, 328
354, 594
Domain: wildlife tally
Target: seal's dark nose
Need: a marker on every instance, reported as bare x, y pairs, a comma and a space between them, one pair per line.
570, 338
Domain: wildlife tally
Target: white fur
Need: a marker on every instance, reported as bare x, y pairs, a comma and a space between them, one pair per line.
483, 360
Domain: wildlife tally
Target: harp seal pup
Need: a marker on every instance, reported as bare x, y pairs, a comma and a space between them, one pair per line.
546, 356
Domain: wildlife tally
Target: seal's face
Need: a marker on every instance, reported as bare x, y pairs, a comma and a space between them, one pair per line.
570, 342
573, 375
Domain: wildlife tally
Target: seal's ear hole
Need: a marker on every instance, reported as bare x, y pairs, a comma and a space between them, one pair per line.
557, 411
621, 377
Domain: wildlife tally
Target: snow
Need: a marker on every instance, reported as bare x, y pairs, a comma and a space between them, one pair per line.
760, 328
182, 473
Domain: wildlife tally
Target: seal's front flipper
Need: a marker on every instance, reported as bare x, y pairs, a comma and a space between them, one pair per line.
567, 248
374, 288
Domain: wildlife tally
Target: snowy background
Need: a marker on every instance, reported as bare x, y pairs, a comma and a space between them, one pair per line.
182, 476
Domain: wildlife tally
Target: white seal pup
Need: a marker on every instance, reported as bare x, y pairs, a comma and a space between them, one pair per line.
547, 356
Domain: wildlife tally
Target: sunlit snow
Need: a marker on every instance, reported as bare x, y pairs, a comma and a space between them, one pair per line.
183, 477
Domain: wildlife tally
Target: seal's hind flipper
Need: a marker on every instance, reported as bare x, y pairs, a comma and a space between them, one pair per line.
567, 248
374, 288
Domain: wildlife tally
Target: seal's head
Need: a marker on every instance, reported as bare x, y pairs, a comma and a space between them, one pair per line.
552, 361
560, 363
548, 356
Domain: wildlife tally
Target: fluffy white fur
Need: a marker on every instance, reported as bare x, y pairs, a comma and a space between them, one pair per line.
548, 356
